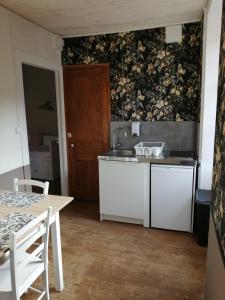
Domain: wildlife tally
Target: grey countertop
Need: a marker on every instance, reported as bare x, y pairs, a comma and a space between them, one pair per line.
186, 158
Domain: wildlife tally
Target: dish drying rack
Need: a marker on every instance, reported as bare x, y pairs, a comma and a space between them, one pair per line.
149, 148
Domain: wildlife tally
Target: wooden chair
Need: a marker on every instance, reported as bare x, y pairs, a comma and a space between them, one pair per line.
23, 268
44, 185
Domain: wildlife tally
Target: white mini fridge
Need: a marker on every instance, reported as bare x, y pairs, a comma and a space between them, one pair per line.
172, 197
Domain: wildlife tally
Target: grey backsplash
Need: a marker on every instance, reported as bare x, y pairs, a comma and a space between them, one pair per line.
178, 136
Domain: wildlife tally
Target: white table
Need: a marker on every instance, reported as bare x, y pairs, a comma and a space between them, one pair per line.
57, 203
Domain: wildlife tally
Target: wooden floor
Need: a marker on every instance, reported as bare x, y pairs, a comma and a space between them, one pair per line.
115, 261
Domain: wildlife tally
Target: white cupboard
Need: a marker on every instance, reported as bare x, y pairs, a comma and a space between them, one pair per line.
124, 191
172, 197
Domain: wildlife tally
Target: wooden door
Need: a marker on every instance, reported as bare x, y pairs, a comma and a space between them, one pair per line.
87, 106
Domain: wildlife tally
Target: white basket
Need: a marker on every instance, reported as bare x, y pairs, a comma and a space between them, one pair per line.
149, 148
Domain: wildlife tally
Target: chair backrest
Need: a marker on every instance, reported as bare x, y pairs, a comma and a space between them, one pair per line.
43, 185
24, 239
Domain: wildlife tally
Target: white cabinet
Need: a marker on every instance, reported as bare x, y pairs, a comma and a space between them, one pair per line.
124, 191
172, 197
41, 169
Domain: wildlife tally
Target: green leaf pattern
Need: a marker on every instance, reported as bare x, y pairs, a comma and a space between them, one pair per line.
218, 205
150, 79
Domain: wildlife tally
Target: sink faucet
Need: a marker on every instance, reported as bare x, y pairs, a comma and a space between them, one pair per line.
117, 132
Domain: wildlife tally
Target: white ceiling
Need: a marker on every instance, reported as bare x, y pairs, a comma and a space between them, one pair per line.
89, 17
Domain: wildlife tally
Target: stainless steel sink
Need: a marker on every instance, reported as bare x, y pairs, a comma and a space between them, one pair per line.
129, 155
122, 152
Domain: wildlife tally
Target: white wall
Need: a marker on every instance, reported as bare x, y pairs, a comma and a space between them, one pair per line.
34, 40
210, 71
10, 148
215, 279
24, 42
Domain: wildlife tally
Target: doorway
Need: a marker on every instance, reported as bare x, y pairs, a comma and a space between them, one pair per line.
42, 125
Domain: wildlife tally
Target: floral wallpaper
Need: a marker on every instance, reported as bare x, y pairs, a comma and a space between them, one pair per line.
218, 205
150, 80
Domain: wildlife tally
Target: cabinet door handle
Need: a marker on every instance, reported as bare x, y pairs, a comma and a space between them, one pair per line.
72, 145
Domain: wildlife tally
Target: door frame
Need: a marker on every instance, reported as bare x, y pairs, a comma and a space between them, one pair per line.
35, 61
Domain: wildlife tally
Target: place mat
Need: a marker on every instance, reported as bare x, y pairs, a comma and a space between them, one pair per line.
19, 199
12, 223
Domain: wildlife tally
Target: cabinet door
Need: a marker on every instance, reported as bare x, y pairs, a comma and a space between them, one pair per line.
124, 189
171, 197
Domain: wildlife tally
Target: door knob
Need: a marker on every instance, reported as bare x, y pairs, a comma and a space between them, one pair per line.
72, 145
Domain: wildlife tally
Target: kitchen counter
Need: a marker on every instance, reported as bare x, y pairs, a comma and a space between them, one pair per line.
131, 188
186, 158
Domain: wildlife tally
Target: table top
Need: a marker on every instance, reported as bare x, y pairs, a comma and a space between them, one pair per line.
56, 202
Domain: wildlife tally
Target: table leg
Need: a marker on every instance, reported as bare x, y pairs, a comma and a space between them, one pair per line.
57, 253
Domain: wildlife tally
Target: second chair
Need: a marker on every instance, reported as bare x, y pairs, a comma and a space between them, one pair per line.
29, 182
